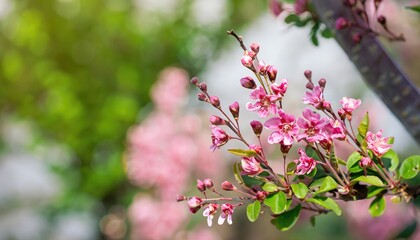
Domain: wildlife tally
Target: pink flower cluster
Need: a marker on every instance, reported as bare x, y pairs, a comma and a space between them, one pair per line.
163, 151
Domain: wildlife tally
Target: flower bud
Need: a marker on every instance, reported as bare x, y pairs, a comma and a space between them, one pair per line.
382, 20
342, 113
234, 109
252, 54
194, 81
248, 82
180, 198
308, 74
227, 186
285, 148
257, 127
202, 97
326, 105
215, 101
247, 61
322, 82
255, 47
262, 68
261, 195
200, 186
365, 162
357, 37
208, 183
202, 86
272, 72
341, 23
194, 202
309, 86
215, 120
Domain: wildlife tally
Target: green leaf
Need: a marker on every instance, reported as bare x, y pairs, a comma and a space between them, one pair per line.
277, 202
391, 156
286, 220
311, 153
377, 207
372, 180
327, 33
327, 203
414, 8
237, 172
353, 163
270, 187
313, 34
253, 210
243, 152
408, 231
291, 166
364, 125
374, 190
300, 190
291, 18
410, 167
327, 184
312, 173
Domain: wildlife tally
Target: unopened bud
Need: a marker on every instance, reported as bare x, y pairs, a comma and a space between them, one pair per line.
255, 47
234, 109
322, 82
272, 72
308, 74
341, 23
257, 127
227, 186
202, 86
247, 61
200, 186
326, 105
194, 202
180, 198
215, 120
202, 97
285, 148
208, 183
382, 20
309, 86
252, 54
261, 195
215, 101
342, 113
194, 81
262, 68
357, 37
248, 82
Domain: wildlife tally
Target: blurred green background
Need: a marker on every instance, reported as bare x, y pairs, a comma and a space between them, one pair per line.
79, 72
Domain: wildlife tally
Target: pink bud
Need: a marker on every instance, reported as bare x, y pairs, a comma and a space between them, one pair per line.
326, 105
357, 37
272, 72
322, 82
309, 86
247, 61
202, 97
180, 198
308, 74
215, 101
341, 23
194, 202
342, 113
248, 82
366, 162
202, 86
276, 7
215, 120
255, 47
252, 54
261, 195
194, 80
200, 186
262, 68
227, 186
208, 183
234, 109
256, 127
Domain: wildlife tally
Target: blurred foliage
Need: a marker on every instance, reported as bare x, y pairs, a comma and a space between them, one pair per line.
81, 71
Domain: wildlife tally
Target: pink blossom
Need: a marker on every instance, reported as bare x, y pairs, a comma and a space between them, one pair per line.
250, 166
276, 7
305, 164
247, 61
265, 103
209, 212
314, 97
218, 137
366, 162
227, 211
312, 124
285, 129
377, 144
279, 89
350, 104
301, 6
335, 130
